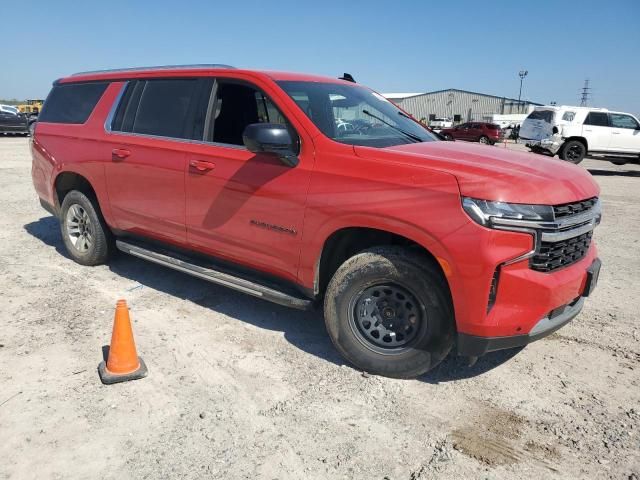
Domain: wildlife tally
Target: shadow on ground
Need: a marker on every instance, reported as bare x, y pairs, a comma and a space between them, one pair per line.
303, 329
614, 173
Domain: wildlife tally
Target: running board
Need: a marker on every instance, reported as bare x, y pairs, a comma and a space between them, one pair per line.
214, 276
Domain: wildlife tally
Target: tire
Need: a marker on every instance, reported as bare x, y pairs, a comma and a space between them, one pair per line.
392, 283
85, 234
573, 151
448, 137
484, 140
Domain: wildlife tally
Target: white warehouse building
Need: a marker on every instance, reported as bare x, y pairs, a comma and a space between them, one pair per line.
458, 105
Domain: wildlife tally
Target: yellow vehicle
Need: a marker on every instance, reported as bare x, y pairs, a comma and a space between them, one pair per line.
31, 106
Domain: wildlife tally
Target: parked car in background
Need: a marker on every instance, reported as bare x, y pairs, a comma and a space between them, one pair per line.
440, 123
488, 133
574, 132
252, 180
12, 121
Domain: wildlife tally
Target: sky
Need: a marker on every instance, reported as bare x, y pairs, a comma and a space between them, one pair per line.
401, 46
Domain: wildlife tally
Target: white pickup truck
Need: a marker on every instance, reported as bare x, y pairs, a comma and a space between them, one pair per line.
574, 132
440, 123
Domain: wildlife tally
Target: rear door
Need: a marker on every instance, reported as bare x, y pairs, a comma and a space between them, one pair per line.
597, 131
146, 156
243, 206
462, 132
474, 132
625, 133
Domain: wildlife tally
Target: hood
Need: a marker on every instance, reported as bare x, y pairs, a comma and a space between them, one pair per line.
495, 173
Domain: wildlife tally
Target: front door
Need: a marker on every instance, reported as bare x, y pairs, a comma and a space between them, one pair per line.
597, 131
625, 133
245, 207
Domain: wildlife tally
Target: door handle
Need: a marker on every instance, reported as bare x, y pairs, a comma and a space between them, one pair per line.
119, 154
202, 165
615, 133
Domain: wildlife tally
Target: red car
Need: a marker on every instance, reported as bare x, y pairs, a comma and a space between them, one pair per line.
311, 191
487, 133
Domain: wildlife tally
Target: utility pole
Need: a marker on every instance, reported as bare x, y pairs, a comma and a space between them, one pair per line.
521, 74
586, 92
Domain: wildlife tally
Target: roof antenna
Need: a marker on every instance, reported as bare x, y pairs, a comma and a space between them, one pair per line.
348, 77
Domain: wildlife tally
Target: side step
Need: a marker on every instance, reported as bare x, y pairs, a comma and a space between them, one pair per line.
214, 276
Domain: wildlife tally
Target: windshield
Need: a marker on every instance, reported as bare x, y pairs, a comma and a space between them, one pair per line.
355, 115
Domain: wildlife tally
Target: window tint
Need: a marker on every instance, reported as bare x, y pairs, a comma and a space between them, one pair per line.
163, 108
568, 116
238, 105
173, 108
600, 119
619, 120
72, 103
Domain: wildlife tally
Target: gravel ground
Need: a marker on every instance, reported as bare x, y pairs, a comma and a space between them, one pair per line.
240, 388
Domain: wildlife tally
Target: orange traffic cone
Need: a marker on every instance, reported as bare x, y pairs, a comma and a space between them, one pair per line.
123, 363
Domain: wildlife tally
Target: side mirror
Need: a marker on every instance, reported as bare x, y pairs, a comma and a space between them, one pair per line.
270, 138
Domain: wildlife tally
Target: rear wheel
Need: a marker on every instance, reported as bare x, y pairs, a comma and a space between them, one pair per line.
573, 151
84, 231
388, 312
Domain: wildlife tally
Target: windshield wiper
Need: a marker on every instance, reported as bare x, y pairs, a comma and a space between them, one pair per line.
413, 137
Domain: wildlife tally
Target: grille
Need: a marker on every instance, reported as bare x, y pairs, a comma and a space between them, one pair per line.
569, 209
554, 255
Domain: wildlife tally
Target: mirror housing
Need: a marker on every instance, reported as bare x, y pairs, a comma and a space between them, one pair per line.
270, 138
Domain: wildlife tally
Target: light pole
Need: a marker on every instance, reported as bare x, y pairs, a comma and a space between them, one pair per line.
521, 74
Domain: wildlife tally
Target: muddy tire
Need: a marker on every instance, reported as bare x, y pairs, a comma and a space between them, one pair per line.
85, 234
573, 151
388, 312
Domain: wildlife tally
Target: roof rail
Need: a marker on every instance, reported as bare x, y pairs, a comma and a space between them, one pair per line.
203, 66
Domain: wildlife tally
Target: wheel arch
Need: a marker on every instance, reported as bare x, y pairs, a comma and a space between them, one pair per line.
345, 242
576, 138
66, 181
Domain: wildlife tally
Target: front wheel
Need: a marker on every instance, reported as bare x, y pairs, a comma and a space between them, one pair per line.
573, 151
84, 231
388, 312
484, 140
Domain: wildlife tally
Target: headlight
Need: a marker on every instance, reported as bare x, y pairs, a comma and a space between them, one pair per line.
484, 211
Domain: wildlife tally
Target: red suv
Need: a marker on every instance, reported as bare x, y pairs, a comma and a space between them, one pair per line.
488, 133
305, 191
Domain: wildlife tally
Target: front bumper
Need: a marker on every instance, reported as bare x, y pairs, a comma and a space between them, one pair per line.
551, 144
475, 346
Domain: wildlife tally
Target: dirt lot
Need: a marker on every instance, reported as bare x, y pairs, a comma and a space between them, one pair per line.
240, 388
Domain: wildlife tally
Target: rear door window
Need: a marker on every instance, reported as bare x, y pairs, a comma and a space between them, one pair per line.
172, 108
72, 103
619, 120
599, 119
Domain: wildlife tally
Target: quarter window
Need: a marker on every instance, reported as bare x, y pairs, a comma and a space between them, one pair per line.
599, 119
568, 116
623, 121
72, 103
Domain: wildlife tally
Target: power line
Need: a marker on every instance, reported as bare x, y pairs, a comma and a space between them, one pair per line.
586, 93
